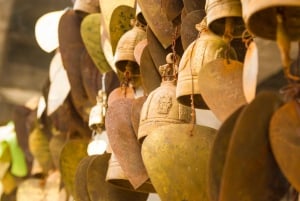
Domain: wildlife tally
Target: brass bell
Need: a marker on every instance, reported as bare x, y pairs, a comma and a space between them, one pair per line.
203, 50
261, 17
161, 106
126, 45
220, 11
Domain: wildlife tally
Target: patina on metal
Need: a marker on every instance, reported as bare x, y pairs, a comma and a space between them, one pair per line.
203, 50
258, 176
221, 86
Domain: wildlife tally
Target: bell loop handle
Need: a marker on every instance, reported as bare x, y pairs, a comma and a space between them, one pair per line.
247, 38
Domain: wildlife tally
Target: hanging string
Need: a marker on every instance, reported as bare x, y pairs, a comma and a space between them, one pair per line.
175, 59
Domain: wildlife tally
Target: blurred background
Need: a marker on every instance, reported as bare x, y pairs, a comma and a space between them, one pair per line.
23, 65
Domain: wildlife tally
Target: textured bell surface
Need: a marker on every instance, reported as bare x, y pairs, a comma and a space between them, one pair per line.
126, 45
162, 107
203, 50
217, 12
260, 17
87, 6
221, 86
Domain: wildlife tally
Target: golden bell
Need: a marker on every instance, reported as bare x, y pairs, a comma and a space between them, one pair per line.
203, 50
217, 11
260, 17
176, 158
161, 106
126, 45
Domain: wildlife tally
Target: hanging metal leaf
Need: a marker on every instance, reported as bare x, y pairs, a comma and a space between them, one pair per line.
258, 176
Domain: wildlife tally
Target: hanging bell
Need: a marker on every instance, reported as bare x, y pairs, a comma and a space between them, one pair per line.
261, 17
97, 113
126, 45
203, 50
219, 11
161, 106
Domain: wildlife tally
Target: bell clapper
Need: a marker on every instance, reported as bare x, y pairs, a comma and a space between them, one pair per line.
228, 36
284, 45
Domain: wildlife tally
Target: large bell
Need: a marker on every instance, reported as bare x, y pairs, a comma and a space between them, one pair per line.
219, 11
161, 107
176, 157
261, 17
203, 50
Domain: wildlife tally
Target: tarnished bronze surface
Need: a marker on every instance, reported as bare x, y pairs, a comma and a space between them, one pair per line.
217, 157
172, 8
176, 157
90, 33
258, 176
191, 5
56, 144
284, 138
150, 76
100, 190
123, 141
136, 108
217, 12
71, 154
188, 29
250, 72
157, 21
120, 92
80, 180
221, 86
261, 17
203, 50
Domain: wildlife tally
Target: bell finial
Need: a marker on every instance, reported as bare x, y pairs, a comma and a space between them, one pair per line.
167, 70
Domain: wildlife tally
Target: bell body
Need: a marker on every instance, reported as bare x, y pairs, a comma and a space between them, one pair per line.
260, 17
203, 50
161, 108
126, 45
87, 6
217, 12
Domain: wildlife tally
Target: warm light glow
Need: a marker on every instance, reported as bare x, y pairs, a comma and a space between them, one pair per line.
46, 30
98, 145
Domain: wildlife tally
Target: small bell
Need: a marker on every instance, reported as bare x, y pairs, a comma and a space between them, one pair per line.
86, 6
97, 114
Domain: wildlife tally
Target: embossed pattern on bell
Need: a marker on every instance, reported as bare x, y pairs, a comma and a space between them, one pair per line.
260, 17
162, 108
